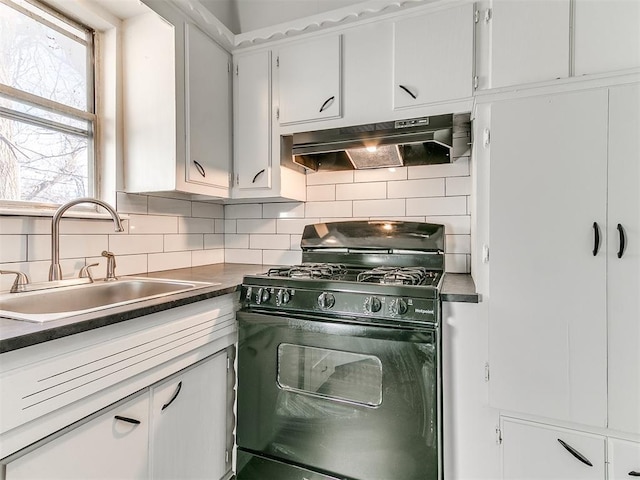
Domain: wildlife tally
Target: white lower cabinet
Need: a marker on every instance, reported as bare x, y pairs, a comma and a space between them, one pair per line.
537, 451
624, 459
175, 429
114, 445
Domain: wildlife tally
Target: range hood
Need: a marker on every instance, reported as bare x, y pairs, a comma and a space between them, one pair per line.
415, 141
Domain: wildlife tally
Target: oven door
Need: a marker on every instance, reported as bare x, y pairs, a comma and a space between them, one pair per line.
344, 400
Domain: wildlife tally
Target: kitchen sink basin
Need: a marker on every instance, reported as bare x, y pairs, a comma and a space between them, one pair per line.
62, 302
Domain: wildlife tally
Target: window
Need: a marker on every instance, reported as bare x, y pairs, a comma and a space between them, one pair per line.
47, 118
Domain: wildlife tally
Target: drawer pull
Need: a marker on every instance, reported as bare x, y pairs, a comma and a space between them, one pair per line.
596, 238
413, 95
175, 395
623, 240
575, 453
127, 419
326, 103
200, 168
633, 473
257, 175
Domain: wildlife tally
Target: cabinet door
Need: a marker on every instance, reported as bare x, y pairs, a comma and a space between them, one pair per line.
547, 303
607, 35
623, 279
191, 406
433, 57
537, 452
252, 94
519, 53
110, 446
624, 459
208, 114
309, 76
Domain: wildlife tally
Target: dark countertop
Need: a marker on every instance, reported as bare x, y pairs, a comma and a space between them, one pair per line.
16, 334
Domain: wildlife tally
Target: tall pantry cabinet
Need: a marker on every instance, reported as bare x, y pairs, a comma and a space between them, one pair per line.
565, 261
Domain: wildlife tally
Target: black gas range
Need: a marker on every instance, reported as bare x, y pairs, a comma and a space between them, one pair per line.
364, 270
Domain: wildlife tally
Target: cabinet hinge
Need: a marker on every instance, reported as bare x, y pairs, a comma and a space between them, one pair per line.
498, 436
476, 16
486, 372
237, 179
228, 67
487, 15
278, 61
226, 456
475, 82
228, 363
278, 113
236, 70
486, 137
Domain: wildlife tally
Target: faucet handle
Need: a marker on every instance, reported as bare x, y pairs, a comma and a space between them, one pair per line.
111, 265
20, 283
85, 271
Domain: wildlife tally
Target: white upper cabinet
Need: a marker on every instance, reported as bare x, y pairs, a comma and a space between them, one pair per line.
547, 228
433, 57
208, 102
309, 80
607, 35
623, 267
177, 115
624, 459
522, 42
252, 121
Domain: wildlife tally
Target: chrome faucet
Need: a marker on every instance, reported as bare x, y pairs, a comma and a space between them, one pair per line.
111, 266
55, 272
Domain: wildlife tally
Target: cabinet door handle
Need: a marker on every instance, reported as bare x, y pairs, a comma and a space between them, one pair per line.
175, 395
575, 453
413, 95
127, 419
257, 175
596, 238
326, 103
623, 240
634, 473
200, 168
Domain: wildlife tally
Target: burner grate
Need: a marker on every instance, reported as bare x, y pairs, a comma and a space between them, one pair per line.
397, 276
309, 270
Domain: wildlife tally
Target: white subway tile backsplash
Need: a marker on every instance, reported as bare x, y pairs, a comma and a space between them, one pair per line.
134, 244
458, 244
457, 168
13, 248
235, 240
428, 187
131, 203
380, 174
283, 210
214, 241
207, 210
267, 225
196, 225
169, 206
319, 193
437, 206
244, 210
293, 225
219, 225
453, 225
379, 208
324, 178
233, 255
361, 191
295, 242
269, 242
14, 225
71, 246
139, 224
37, 271
230, 226
168, 261
456, 263
182, 242
125, 265
207, 257
342, 209
458, 186
281, 257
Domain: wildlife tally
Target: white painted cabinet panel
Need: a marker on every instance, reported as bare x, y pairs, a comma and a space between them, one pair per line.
433, 57
309, 80
547, 306
208, 115
623, 268
252, 120
522, 42
538, 452
607, 35
624, 459
189, 423
110, 446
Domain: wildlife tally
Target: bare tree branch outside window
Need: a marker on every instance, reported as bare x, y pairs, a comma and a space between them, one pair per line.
46, 105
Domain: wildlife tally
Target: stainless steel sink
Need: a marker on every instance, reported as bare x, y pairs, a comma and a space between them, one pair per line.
62, 302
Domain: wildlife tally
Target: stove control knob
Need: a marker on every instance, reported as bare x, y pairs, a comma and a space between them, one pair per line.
282, 297
326, 300
372, 304
398, 306
263, 295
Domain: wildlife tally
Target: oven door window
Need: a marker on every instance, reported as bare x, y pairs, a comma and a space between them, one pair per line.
341, 376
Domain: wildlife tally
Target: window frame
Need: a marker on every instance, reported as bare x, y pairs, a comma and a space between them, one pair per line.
90, 115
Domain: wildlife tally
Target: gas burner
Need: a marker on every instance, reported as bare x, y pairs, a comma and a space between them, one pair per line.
309, 270
397, 275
